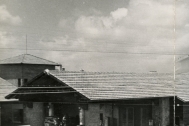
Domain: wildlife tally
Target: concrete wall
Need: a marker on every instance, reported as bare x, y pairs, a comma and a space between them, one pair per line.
92, 115
35, 115
165, 111
161, 112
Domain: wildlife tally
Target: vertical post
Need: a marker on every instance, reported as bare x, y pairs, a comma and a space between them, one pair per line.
51, 109
165, 111
26, 44
0, 114
112, 122
174, 33
81, 116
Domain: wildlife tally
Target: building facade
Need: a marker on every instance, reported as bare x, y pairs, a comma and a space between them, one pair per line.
17, 71
105, 99
20, 69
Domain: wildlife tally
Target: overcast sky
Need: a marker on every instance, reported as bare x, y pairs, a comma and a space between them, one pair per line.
97, 35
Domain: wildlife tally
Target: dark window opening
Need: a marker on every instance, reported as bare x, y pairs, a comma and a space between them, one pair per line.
101, 116
101, 119
22, 81
19, 82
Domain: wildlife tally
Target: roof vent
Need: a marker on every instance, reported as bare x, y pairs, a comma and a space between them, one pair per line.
153, 71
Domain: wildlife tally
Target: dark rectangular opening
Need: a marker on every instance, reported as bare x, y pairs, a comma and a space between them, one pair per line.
19, 82
101, 116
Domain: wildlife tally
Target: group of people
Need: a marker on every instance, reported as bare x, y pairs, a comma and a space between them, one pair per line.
64, 121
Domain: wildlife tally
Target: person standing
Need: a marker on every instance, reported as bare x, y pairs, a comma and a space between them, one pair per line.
64, 121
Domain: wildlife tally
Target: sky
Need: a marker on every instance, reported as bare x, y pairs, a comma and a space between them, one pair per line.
97, 35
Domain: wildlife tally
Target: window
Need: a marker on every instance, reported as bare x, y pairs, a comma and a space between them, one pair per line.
22, 81
101, 116
18, 115
19, 82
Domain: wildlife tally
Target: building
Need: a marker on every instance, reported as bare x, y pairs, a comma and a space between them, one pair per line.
20, 69
111, 99
17, 71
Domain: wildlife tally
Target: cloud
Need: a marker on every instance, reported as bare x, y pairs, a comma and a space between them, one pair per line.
142, 23
182, 21
101, 26
6, 39
66, 23
7, 17
9, 40
145, 26
119, 13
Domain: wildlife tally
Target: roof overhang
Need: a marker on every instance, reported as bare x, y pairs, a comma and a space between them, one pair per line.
46, 88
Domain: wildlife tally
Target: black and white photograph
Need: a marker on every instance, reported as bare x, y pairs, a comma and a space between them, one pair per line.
94, 62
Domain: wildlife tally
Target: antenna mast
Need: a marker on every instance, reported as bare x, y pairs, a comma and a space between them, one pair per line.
26, 44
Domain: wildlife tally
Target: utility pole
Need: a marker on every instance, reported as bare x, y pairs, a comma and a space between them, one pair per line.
174, 69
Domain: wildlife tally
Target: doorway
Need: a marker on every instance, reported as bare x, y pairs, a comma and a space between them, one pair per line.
145, 116
70, 110
127, 117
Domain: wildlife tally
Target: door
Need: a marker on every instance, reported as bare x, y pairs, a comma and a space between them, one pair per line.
144, 117
127, 116
130, 117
